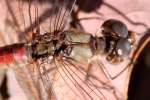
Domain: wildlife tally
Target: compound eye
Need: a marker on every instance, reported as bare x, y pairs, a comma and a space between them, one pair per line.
115, 27
123, 47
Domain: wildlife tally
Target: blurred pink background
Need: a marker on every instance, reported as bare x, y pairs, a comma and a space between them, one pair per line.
135, 14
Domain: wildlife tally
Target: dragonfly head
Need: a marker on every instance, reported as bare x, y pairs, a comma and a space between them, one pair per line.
116, 41
114, 28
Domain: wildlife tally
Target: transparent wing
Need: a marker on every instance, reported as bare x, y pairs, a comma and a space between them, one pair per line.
26, 16
61, 78
71, 77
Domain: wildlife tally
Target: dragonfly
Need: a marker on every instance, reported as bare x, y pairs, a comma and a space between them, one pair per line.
57, 54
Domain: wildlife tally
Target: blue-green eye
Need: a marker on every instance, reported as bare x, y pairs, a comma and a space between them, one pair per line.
123, 47
115, 27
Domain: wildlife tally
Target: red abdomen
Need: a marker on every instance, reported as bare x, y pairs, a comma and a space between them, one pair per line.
10, 53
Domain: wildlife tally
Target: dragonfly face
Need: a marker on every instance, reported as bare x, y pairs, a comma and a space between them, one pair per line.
119, 41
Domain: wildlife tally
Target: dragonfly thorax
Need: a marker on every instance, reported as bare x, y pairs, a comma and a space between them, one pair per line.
47, 45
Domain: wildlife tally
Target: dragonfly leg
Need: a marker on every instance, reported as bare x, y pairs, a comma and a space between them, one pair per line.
88, 71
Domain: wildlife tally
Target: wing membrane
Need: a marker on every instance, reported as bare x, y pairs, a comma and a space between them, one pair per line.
68, 77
